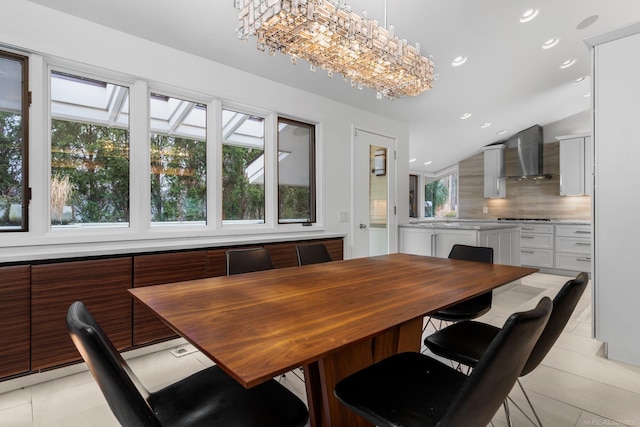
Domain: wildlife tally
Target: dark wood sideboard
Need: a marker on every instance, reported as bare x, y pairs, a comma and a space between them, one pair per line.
35, 296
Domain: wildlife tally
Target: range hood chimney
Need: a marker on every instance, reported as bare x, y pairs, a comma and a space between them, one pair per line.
528, 146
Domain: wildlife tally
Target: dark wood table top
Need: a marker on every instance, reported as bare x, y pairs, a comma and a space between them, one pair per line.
258, 325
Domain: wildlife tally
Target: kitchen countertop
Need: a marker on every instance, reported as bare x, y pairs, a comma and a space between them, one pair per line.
461, 225
486, 224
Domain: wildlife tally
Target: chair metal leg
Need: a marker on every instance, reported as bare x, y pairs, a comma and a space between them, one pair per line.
530, 404
507, 413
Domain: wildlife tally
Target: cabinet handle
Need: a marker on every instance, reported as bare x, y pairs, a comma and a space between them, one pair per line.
528, 228
583, 244
527, 237
526, 252
583, 232
561, 187
497, 186
585, 259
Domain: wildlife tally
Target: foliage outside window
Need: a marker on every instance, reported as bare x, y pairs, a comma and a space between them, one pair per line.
413, 196
243, 192
296, 172
89, 151
441, 197
14, 128
178, 160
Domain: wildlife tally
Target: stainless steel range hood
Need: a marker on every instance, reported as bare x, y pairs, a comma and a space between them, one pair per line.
528, 145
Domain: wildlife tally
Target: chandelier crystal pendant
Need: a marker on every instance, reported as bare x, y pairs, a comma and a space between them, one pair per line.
327, 34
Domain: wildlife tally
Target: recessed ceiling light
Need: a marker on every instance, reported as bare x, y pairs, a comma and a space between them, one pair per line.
580, 80
587, 22
551, 43
428, 163
529, 15
412, 160
501, 132
485, 125
568, 63
458, 61
465, 116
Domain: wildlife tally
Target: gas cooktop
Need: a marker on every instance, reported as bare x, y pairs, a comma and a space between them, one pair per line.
524, 219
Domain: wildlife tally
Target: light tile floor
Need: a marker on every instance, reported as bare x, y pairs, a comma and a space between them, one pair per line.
574, 386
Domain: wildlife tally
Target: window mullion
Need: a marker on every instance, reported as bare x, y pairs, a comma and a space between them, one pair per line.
140, 169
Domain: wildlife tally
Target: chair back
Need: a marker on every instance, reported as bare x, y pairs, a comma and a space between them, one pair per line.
312, 254
479, 305
488, 386
472, 253
247, 260
123, 391
563, 305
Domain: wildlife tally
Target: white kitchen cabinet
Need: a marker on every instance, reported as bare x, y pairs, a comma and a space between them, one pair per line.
495, 185
445, 239
575, 166
573, 247
536, 245
438, 241
415, 240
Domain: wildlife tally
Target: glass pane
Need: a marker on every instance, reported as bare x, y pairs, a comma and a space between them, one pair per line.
178, 160
378, 196
12, 145
89, 152
242, 168
296, 192
441, 197
413, 196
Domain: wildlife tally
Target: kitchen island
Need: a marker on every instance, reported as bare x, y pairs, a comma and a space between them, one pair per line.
436, 238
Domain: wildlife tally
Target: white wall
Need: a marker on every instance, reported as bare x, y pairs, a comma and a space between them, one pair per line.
51, 34
616, 201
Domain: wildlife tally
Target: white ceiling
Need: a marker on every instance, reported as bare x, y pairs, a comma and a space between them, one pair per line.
508, 80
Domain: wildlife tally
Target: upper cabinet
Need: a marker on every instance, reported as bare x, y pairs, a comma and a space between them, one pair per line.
495, 185
575, 165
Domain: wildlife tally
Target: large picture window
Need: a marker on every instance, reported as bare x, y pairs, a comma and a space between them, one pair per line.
441, 197
296, 172
243, 165
89, 152
14, 108
178, 160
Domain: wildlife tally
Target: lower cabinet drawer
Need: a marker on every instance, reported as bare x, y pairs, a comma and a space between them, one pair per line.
536, 257
571, 244
542, 241
575, 262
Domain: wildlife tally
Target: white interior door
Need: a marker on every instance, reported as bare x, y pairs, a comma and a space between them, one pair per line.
374, 194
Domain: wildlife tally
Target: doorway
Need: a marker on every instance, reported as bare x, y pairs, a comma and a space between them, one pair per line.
374, 194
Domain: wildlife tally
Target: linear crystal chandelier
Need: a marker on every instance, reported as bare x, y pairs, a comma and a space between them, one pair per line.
327, 34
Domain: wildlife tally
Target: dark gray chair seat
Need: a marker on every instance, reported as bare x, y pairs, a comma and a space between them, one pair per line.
413, 389
466, 342
474, 307
207, 398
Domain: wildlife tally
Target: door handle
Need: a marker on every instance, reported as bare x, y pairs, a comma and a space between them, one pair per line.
363, 226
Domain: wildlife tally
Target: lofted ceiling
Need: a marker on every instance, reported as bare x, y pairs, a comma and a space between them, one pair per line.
508, 79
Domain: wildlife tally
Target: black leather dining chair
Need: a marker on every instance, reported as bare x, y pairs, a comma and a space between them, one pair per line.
413, 389
248, 260
474, 307
207, 398
312, 253
466, 342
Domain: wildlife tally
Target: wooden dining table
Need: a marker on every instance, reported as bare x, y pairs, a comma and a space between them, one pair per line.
332, 319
